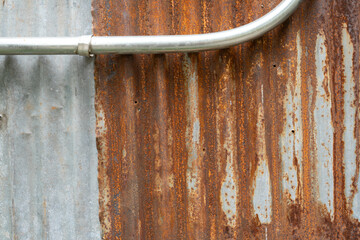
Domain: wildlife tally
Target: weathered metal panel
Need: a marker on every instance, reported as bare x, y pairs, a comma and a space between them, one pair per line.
256, 141
48, 157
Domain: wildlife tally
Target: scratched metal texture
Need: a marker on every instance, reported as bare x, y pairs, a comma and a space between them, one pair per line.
259, 141
48, 156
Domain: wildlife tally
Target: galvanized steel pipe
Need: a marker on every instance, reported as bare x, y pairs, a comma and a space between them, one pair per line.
89, 45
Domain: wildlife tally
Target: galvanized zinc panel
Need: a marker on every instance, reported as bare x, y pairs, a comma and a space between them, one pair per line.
256, 141
48, 157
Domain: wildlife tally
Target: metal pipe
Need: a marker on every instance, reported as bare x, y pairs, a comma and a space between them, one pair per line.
89, 45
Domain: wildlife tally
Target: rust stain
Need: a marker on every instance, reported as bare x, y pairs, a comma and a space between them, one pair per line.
251, 142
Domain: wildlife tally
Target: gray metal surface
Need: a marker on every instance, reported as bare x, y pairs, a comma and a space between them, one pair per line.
150, 44
48, 157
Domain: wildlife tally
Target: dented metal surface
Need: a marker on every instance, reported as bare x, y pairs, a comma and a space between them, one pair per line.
48, 157
256, 141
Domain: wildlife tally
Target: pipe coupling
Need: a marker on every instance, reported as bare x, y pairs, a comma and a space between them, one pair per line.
84, 46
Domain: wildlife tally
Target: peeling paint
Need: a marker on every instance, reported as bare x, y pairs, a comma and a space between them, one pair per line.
349, 114
194, 176
193, 130
262, 200
291, 138
324, 131
225, 141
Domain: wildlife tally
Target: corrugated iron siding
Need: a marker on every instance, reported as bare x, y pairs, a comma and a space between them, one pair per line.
48, 157
256, 141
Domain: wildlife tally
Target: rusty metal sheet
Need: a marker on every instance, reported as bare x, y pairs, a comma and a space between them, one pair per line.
48, 157
257, 141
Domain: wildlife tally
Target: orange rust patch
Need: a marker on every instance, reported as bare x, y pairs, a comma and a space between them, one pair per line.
175, 166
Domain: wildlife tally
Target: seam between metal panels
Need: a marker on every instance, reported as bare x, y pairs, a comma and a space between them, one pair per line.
88, 45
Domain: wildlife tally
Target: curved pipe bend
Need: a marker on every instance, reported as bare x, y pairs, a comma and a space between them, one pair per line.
90, 45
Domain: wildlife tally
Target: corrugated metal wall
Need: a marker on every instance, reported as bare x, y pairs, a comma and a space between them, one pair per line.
48, 157
256, 141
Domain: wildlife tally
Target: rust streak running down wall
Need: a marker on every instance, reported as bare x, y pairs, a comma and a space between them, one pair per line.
260, 141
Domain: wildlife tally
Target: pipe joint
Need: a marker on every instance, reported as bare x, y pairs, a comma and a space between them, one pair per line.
84, 46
